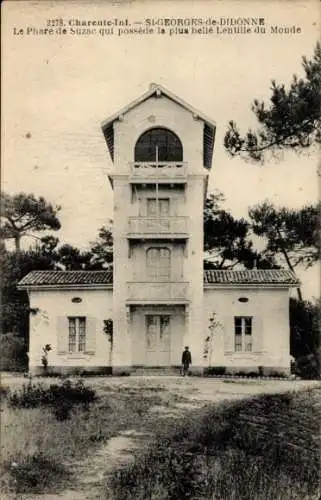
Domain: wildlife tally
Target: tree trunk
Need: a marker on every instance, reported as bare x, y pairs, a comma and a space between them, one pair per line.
299, 292
17, 242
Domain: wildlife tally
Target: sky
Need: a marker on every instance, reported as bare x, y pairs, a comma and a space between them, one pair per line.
58, 89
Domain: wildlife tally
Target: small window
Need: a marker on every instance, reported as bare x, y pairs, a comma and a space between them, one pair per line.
77, 334
243, 299
243, 333
76, 300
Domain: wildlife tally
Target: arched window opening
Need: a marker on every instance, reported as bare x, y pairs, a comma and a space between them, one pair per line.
158, 145
158, 262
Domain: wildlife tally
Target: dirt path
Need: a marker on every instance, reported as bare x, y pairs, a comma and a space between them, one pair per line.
180, 396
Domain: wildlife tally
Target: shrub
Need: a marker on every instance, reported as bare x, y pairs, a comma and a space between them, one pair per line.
215, 370
13, 353
34, 474
307, 367
60, 398
3, 392
241, 374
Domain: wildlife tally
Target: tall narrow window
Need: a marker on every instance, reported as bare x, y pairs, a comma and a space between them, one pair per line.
158, 145
157, 207
158, 262
77, 334
243, 333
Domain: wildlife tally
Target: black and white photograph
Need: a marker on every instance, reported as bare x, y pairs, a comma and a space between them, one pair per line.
160, 250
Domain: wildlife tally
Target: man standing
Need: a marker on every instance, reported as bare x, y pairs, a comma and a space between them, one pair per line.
186, 360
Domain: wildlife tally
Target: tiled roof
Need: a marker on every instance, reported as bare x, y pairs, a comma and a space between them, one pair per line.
67, 278
255, 276
211, 277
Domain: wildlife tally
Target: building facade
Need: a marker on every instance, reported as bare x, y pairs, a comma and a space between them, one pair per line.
158, 298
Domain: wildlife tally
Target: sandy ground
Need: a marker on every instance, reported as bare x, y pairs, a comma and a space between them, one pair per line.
93, 469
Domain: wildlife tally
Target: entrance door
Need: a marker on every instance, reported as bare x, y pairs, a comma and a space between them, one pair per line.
157, 340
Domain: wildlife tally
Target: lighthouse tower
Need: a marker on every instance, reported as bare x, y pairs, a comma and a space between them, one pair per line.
161, 149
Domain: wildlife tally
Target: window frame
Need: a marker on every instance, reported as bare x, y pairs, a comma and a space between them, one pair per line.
158, 202
153, 270
162, 148
243, 334
78, 326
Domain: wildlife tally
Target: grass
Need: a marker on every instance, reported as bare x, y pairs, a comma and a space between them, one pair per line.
38, 450
262, 448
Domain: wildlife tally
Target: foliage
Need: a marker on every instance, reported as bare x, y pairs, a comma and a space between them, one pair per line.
13, 353
44, 359
102, 248
109, 329
276, 436
36, 473
46, 255
71, 258
215, 370
305, 327
294, 234
308, 367
24, 214
290, 235
305, 346
213, 325
15, 304
60, 398
227, 241
292, 119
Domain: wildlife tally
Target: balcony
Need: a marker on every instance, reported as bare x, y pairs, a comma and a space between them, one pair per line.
157, 292
147, 171
151, 227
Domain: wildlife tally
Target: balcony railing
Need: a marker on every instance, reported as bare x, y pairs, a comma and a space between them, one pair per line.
157, 291
173, 226
159, 170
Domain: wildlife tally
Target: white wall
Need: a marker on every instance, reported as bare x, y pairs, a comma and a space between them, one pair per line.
158, 111
271, 331
55, 304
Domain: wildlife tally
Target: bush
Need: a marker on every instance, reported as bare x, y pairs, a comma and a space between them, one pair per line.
60, 398
34, 474
13, 353
215, 370
241, 374
307, 367
305, 326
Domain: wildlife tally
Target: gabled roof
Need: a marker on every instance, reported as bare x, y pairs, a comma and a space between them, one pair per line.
74, 279
250, 277
158, 90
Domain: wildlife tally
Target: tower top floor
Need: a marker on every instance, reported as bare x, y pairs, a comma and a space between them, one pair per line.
159, 129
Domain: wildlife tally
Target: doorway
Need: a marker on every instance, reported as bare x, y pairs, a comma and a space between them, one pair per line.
158, 328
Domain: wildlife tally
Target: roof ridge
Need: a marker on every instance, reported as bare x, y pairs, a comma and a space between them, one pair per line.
147, 94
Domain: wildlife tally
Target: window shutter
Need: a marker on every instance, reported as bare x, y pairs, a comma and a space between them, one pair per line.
257, 334
91, 332
175, 208
229, 334
62, 334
